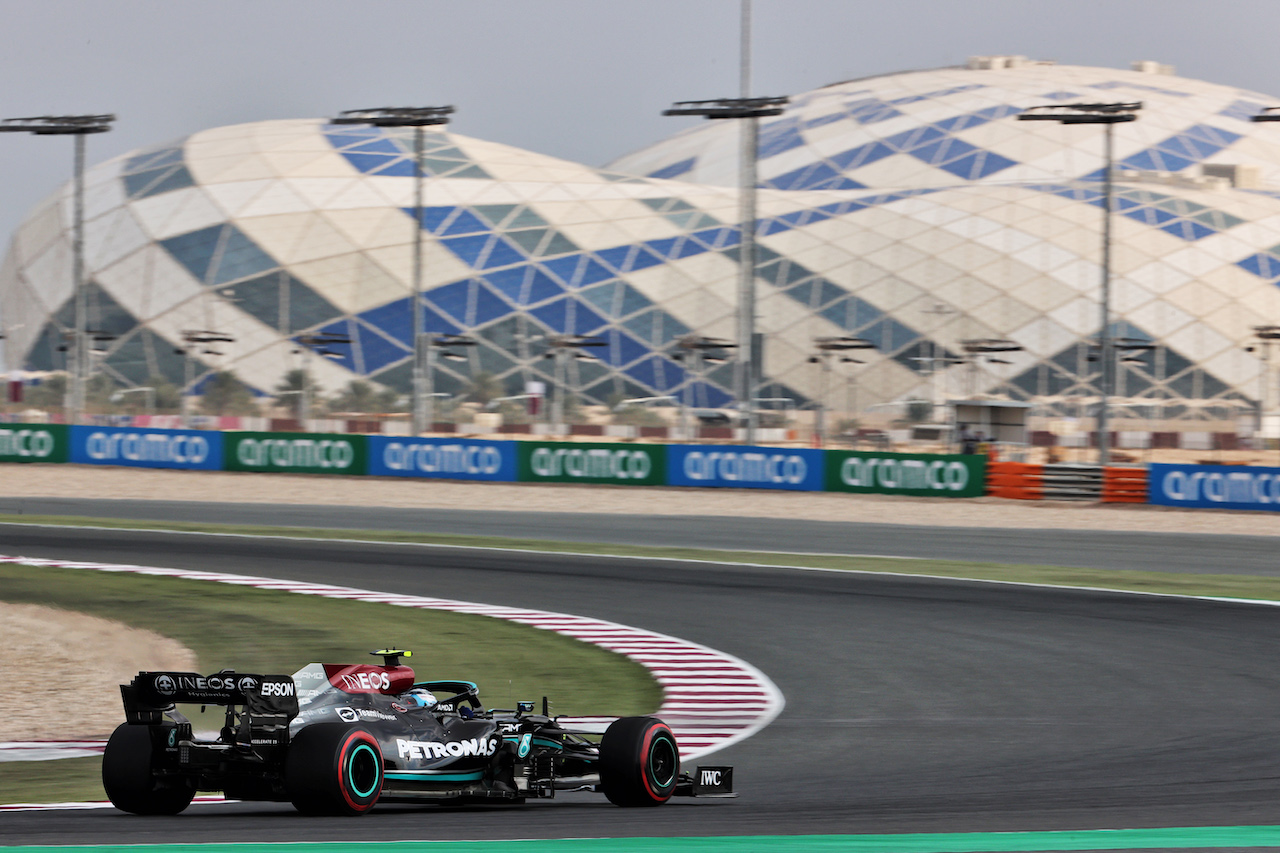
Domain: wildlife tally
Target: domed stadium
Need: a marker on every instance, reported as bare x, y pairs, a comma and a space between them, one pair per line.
912, 210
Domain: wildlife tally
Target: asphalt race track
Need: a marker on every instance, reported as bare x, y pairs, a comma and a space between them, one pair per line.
1099, 549
913, 705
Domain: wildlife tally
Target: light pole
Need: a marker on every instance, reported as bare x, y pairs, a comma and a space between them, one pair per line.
698, 351
417, 118
750, 109
191, 339
827, 347
321, 342
78, 126
985, 348
1265, 335
560, 346
428, 347
1107, 115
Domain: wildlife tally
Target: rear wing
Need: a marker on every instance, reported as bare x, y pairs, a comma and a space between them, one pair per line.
270, 701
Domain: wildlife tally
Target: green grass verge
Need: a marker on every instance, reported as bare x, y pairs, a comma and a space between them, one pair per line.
1213, 585
269, 631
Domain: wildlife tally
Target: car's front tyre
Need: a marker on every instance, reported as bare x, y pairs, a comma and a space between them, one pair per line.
333, 769
639, 762
130, 780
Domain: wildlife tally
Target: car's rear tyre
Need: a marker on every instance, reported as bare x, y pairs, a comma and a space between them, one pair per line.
639, 762
333, 769
129, 777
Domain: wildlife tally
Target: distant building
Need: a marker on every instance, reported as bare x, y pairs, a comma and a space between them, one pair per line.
910, 209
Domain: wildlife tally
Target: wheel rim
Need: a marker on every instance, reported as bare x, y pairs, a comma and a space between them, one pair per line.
363, 771
663, 761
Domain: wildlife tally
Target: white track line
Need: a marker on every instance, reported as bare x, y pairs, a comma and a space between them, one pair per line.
710, 699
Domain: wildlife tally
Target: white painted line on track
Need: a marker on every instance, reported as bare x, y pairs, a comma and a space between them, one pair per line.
699, 683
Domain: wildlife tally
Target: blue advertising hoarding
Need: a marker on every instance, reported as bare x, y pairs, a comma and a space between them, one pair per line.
456, 458
146, 448
745, 467
1216, 486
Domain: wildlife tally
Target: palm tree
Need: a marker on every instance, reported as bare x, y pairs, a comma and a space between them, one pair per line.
225, 394
485, 387
363, 396
291, 388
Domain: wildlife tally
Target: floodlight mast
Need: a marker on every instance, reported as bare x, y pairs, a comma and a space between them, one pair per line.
751, 109
1108, 115
78, 126
417, 118
824, 348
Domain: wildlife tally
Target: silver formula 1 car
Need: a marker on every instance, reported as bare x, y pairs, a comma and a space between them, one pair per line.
340, 738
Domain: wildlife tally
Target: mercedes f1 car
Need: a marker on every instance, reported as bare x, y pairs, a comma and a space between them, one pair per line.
338, 738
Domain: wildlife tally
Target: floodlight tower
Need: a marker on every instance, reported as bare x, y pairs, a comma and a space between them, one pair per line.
1108, 115
417, 118
78, 126
750, 109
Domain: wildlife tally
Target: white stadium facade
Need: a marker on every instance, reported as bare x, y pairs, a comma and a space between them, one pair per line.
913, 210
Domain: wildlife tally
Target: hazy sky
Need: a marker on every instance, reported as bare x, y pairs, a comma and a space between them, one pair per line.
580, 79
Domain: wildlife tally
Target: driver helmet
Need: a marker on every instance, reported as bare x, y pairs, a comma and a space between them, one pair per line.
419, 697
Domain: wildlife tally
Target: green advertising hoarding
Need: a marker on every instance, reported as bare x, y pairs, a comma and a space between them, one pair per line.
924, 475
295, 453
573, 462
34, 443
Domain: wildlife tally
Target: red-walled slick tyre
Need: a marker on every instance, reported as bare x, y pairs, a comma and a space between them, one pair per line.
639, 762
333, 769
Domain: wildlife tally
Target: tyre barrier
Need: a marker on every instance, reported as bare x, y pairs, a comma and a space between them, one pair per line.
1023, 481
1124, 485
1015, 480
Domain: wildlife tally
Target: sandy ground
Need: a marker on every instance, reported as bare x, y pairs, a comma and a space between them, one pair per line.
59, 659
71, 481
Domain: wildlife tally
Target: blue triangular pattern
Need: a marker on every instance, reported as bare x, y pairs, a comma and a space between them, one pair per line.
909, 140
617, 257
375, 350
396, 169
622, 349
502, 252
452, 299
377, 145
675, 169
663, 247
368, 162
1242, 110
542, 287
241, 258
554, 315
942, 151
644, 259
989, 164
489, 306
586, 320
645, 372
779, 136
511, 282
1262, 265
465, 222
469, 248
566, 268
688, 248
194, 250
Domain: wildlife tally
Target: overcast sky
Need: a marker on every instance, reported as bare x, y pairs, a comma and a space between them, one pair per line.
580, 79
